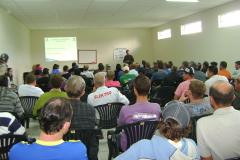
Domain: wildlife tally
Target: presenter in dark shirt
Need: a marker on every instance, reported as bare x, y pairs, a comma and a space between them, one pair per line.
128, 58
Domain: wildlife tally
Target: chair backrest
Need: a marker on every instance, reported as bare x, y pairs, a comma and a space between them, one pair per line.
194, 120
163, 95
108, 114
138, 131
28, 103
7, 141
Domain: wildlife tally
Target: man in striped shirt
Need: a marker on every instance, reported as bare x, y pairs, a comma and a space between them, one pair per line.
10, 125
9, 101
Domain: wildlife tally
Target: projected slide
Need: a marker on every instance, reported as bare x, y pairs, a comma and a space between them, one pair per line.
60, 48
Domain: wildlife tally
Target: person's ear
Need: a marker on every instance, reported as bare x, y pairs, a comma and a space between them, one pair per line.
66, 127
83, 92
212, 102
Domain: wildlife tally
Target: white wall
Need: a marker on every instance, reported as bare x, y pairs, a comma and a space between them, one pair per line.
139, 41
213, 44
15, 41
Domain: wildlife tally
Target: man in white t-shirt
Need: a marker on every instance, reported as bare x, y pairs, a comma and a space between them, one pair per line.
86, 72
103, 94
213, 76
30, 89
218, 135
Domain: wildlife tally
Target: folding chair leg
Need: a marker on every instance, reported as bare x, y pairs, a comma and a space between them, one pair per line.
27, 122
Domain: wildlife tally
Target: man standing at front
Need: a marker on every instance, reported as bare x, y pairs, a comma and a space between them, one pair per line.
218, 135
128, 59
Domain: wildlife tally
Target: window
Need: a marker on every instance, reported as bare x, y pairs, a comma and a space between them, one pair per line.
60, 48
229, 19
164, 34
191, 28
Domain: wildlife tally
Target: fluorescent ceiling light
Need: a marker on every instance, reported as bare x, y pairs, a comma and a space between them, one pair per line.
182, 0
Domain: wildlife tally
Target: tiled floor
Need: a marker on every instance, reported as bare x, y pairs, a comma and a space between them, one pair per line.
34, 131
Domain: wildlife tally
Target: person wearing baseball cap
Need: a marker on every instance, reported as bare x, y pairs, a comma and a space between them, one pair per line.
126, 76
183, 87
174, 126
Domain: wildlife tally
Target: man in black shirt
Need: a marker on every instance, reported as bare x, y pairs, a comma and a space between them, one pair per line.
128, 58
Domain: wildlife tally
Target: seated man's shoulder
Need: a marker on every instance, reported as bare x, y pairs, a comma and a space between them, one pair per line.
23, 145
205, 120
86, 105
154, 106
74, 143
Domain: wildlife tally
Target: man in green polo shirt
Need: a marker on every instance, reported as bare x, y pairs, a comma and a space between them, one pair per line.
126, 76
56, 82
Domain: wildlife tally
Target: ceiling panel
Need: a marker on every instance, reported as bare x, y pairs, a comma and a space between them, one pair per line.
54, 14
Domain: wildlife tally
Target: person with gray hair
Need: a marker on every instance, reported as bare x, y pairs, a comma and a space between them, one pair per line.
83, 114
103, 94
218, 135
84, 117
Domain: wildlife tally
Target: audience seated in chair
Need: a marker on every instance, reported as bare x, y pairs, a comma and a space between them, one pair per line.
218, 135
172, 79
223, 70
10, 125
110, 82
43, 82
83, 113
9, 101
133, 70
56, 82
100, 69
212, 74
126, 76
84, 117
30, 89
142, 109
103, 94
198, 104
86, 72
188, 75
198, 74
55, 69
236, 72
159, 74
55, 120
236, 102
171, 144
65, 73
3, 64
118, 72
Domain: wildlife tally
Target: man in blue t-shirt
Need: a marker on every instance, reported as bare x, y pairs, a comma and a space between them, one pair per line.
55, 118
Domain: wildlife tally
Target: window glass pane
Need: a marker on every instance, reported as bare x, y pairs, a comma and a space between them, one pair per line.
164, 34
191, 28
229, 19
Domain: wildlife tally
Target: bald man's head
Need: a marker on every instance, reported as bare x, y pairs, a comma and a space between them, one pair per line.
222, 93
99, 79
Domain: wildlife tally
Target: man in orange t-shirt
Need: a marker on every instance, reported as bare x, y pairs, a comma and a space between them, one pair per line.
223, 71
